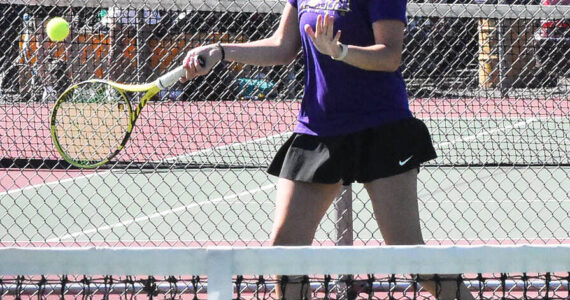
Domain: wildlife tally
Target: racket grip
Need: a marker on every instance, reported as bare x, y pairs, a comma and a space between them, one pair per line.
170, 78
173, 76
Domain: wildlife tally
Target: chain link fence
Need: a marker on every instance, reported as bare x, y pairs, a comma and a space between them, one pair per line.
490, 79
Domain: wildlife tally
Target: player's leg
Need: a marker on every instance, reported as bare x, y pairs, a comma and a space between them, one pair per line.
395, 204
299, 209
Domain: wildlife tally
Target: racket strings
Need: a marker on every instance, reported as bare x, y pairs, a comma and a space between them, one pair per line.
91, 122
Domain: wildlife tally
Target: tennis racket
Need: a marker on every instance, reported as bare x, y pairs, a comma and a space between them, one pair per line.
92, 121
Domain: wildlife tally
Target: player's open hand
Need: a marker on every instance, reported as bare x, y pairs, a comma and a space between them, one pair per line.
195, 66
323, 37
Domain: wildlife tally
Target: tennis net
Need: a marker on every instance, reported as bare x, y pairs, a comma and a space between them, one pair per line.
500, 272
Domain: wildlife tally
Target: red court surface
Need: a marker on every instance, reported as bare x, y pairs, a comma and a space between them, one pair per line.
175, 128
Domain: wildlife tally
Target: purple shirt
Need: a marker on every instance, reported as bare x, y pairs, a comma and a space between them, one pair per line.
340, 98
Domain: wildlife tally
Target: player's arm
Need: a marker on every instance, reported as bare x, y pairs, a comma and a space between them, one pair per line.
279, 49
384, 55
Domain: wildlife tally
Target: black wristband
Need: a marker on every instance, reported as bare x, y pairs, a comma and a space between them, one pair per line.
222, 51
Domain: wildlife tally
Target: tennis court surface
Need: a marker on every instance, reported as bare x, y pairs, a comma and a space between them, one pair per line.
513, 193
191, 185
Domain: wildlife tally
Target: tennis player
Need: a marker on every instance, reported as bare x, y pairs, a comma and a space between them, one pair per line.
354, 123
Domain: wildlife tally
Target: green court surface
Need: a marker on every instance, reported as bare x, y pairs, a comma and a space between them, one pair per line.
198, 207
184, 206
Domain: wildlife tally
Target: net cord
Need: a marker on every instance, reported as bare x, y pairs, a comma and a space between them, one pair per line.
293, 260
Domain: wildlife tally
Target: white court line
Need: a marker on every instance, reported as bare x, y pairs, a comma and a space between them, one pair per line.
35, 186
39, 185
208, 150
160, 214
485, 132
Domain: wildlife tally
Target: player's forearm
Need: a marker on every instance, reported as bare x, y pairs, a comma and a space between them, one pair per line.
374, 58
266, 52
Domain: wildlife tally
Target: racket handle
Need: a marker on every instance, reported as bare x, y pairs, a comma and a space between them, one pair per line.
173, 76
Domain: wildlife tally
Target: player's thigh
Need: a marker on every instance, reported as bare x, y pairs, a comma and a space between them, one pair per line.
395, 204
298, 210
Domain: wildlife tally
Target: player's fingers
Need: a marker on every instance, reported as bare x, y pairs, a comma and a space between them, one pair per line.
190, 70
326, 21
187, 59
193, 66
310, 32
330, 27
319, 26
200, 70
186, 75
337, 37
183, 78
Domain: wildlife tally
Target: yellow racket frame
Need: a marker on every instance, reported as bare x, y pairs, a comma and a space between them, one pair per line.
150, 90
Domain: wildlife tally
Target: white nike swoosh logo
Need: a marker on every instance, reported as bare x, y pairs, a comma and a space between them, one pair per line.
403, 162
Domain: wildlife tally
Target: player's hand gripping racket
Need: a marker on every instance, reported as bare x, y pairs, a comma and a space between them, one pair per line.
92, 121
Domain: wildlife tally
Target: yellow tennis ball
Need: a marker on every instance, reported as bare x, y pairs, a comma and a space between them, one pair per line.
57, 29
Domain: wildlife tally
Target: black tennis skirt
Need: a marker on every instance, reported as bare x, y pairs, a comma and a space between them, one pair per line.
363, 156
